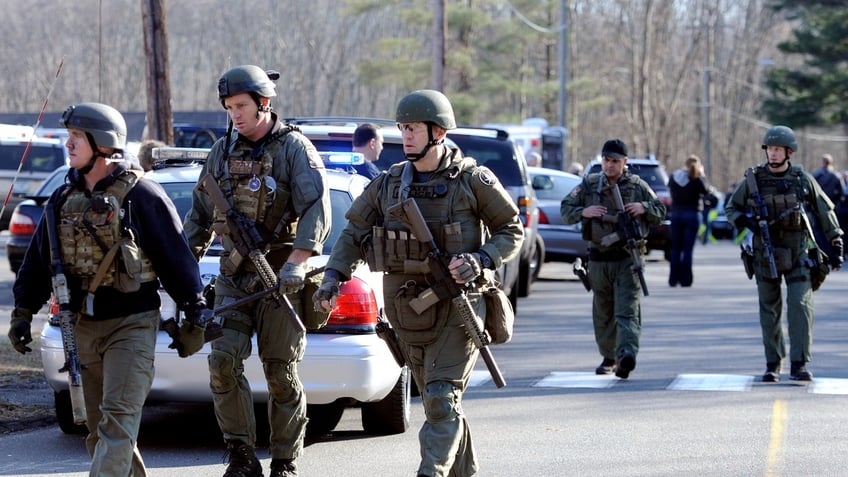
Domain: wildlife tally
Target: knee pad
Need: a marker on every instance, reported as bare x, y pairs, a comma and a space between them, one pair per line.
222, 373
282, 378
440, 402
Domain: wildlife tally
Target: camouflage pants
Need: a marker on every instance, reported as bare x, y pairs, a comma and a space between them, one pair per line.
117, 356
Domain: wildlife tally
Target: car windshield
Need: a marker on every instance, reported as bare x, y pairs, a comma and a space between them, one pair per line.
553, 187
39, 158
53, 182
497, 155
650, 173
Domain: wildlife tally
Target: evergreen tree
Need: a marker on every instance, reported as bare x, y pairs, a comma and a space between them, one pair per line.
815, 93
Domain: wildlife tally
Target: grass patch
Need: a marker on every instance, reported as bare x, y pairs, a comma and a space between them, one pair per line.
16, 367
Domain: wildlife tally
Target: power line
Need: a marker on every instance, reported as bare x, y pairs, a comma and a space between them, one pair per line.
530, 23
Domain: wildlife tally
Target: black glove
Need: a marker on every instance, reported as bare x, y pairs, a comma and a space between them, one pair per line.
744, 222
328, 291
836, 256
20, 330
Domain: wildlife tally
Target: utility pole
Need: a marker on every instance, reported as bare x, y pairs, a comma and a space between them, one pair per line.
709, 61
440, 22
160, 121
563, 59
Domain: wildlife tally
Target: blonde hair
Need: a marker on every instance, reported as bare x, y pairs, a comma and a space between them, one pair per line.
693, 165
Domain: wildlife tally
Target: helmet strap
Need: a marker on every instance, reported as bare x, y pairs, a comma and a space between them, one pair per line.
430, 143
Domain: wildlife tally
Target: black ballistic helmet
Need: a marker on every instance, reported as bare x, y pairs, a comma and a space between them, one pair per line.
104, 123
615, 149
780, 136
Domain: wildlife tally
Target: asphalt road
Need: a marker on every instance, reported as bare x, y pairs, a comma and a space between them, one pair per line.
693, 406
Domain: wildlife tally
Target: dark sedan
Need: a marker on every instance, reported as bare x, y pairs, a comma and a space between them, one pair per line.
26, 216
563, 242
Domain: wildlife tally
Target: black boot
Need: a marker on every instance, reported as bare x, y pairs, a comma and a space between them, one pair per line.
772, 374
626, 363
283, 468
799, 372
606, 366
243, 461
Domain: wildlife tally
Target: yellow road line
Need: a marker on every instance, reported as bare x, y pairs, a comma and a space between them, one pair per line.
774, 461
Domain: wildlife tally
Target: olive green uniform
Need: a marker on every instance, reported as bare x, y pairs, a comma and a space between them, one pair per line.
280, 184
461, 203
616, 312
782, 193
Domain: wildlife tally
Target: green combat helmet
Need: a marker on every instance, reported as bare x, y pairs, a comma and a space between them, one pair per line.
104, 123
780, 136
427, 106
247, 79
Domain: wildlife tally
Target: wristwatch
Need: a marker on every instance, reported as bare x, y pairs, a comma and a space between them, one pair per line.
485, 260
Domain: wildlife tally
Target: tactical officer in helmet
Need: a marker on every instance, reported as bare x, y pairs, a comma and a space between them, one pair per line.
616, 313
117, 231
790, 195
470, 216
273, 177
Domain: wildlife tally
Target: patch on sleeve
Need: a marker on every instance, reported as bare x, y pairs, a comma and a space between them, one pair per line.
315, 161
575, 191
486, 177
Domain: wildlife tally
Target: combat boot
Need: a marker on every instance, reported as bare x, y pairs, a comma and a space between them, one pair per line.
606, 367
626, 363
772, 374
243, 461
283, 468
799, 372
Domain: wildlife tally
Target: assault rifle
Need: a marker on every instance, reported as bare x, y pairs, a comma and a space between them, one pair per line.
445, 286
761, 217
630, 230
247, 243
67, 319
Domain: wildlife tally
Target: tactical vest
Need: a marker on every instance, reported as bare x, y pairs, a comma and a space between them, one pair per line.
602, 231
781, 196
253, 190
92, 226
444, 205
447, 204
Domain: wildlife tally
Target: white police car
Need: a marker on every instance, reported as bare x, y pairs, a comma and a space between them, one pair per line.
345, 363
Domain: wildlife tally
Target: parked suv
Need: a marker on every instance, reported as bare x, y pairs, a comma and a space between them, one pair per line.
494, 149
44, 156
651, 171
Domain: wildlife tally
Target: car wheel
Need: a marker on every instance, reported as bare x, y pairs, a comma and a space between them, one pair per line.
513, 297
538, 259
390, 415
525, 277
323, 418
65, 414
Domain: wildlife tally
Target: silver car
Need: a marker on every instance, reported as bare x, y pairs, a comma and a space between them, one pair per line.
345, 364
563, 242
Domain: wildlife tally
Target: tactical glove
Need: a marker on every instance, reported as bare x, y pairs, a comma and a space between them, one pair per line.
328, 291
836, 258
190, 337
469, 269
20, 330
291, 278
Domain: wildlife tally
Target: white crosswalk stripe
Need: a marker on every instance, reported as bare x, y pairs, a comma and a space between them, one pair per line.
683, 382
